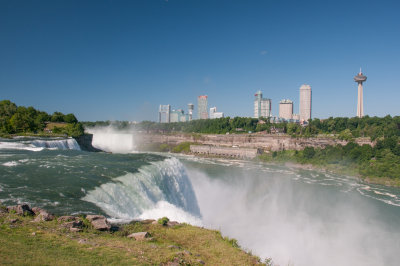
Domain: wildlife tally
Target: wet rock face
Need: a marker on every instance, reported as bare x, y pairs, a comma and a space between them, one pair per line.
21, 209
99, 222
42, 215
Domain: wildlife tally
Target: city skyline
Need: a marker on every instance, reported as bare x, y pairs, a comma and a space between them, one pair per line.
121, 60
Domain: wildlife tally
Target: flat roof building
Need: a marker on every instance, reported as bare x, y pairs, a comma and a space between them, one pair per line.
202, 102
164, 113
305, 103
262, 106
286, 109
215, 114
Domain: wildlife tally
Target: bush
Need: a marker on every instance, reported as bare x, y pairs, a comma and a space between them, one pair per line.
163, 221
308, 152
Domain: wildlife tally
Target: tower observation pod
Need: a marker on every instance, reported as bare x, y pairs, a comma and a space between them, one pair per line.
360, 78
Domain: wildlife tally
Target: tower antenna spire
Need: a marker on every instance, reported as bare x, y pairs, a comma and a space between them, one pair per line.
360, 71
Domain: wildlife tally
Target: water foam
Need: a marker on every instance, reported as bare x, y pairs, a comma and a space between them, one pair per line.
59, 144
40, 144
160, 188
19, 146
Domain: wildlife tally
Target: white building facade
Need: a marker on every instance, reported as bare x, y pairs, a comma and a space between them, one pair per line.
286, 109
305, 103
262, 106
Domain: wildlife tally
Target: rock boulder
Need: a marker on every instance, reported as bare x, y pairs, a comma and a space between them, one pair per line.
99, 222
139, 235
42, 215
21, 209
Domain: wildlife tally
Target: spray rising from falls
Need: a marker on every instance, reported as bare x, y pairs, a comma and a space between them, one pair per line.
159, 189
112, 140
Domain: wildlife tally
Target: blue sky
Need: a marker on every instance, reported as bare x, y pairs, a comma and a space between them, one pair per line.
120, 60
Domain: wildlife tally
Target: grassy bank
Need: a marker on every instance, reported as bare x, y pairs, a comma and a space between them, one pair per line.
375, 170
183, 147
26, 242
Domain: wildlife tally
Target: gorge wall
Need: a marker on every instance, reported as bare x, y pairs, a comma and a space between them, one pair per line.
256, 141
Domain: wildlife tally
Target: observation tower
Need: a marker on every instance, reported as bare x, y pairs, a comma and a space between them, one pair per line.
360, 78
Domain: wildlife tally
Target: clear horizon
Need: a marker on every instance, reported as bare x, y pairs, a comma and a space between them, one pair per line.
104, 60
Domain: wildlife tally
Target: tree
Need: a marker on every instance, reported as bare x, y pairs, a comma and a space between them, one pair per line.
308, 152
57, 117
70, 118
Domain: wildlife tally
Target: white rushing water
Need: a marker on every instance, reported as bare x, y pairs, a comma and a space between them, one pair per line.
157, 190
40, 144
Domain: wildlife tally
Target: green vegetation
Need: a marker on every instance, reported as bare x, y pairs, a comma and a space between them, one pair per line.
163, 221
381, 162
183, 147
29, 121
24, 242
340, 127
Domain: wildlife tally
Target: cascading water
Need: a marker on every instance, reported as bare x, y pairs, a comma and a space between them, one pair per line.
159, 189
39, 144
60, 144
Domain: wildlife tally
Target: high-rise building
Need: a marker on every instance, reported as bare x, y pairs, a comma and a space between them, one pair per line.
177, 116
286, 109
164, 113
215, 114
305, 103
360, 78
262, 106
190, 111
202, 107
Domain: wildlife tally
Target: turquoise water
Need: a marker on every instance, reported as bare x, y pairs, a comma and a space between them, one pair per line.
297, 217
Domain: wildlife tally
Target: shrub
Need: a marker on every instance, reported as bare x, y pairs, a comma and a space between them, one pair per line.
163, 221
308, 152
231, 241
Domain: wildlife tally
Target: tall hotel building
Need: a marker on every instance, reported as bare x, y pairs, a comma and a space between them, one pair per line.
305, 103
262, 106
202, 107
286, 109
164, 113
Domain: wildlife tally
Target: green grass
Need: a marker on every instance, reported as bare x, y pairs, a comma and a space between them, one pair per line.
53, 245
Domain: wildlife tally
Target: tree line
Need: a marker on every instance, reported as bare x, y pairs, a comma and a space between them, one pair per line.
20, 119
341, 127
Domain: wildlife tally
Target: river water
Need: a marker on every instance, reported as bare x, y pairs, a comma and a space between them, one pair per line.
294, 216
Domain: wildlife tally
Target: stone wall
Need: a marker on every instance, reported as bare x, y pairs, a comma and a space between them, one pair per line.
225, 151
255, 141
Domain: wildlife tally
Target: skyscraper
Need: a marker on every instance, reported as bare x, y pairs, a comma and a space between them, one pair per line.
262, 106
286, 109
190, 111
305, 103
164, 113
202, 107
360, 78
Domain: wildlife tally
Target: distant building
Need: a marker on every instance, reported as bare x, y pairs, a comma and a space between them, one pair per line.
286, 109
215, 114
190, 111
164, 113
296, 117
177, 116
202, 102
305, 103
262, 106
